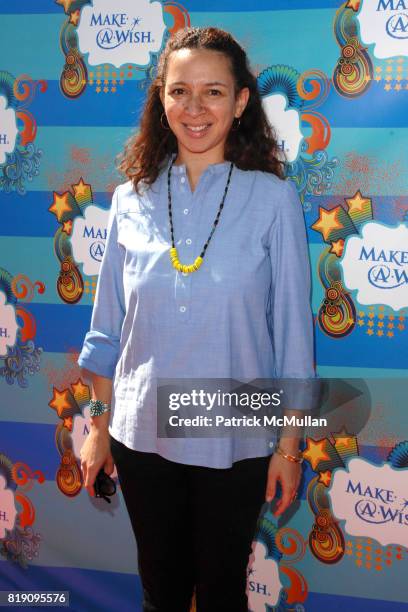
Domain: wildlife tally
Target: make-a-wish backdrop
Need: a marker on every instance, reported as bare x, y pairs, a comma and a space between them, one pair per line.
334, 81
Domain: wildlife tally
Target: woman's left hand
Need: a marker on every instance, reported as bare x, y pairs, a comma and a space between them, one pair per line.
288, 474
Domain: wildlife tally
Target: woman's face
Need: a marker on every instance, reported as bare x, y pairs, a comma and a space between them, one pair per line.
200, 102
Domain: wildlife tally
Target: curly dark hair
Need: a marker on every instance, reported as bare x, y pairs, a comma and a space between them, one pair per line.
251, 147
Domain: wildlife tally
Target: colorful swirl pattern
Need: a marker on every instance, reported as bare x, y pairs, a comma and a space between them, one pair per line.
337, 313
70, 285
326, 540
23, 358
354, 70
69, 476
74, 75
22, 164
21, 544
311, 175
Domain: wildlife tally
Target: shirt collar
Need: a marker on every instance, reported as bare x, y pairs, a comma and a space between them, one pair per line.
212, 168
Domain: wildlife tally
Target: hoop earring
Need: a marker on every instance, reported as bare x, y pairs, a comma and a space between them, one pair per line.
235, 128
165, 127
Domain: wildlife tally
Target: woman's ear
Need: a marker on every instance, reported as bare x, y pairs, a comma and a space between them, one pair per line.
242, 101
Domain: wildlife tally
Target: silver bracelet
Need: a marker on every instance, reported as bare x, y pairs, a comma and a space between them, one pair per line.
97, 407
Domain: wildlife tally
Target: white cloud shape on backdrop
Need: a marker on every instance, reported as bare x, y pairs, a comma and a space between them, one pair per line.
286, 123
376, 264
373, 500
384, 23
88, 238
8, 129
8, 325
8, 510
121, 32
263, 583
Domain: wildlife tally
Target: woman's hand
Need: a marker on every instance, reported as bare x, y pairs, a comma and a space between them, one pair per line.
288, 474
95, 453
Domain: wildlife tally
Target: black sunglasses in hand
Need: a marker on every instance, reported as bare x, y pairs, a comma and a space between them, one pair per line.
104, 486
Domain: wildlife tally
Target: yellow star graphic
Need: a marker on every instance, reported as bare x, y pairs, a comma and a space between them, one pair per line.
74, 17
353, 4
342, 439
315, 452
81, 189
66, 4
337, 247
79, 388
67, 227
59, 401
357, 202
370, 332
68, 422
60, 205
327, 221
325, 478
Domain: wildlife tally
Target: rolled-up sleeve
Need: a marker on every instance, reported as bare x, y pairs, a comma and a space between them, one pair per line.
100, 350
291, 320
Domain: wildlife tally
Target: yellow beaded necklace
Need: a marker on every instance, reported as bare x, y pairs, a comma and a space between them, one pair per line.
187, 269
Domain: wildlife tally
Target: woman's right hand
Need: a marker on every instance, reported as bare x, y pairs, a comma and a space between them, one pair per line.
95, 453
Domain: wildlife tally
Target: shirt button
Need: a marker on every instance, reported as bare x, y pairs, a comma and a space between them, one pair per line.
182, 309
183, 179
188, 241
185, 211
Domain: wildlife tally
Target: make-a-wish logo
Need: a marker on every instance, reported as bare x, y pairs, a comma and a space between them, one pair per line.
376, 264
263, 581
373, 500
124, 33
8, 325
88, 238
8, 129
286, 122
8, 510
385, 23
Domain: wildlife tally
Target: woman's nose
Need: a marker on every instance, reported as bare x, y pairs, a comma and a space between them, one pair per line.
194, 105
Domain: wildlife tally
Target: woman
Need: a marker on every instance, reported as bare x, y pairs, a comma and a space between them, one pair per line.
205, 275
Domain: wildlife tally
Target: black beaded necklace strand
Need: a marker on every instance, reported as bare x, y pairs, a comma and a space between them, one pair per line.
187, 269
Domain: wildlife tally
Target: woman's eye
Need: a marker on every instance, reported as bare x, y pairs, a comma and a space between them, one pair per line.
215, 92
178, 91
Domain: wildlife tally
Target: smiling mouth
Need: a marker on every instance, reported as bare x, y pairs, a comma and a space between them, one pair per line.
197, 129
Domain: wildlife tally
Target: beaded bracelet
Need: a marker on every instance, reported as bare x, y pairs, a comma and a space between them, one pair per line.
97, 407
291, 458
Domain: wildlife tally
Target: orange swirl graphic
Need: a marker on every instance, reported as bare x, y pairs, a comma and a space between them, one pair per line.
298, 590
27, 515
69, 475
70, 285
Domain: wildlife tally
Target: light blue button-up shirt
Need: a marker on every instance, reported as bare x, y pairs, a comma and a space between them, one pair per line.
245, 314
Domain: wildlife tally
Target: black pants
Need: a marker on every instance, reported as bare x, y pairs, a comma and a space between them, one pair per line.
193, 528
